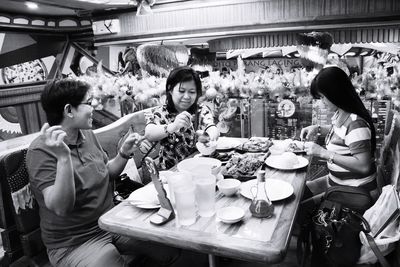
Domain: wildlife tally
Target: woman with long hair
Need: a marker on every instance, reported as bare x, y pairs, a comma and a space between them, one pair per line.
175, 123
350, 140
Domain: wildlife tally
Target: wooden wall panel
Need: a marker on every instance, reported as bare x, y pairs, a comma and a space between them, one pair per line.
26, 100
219, 19
30, 117
360, 35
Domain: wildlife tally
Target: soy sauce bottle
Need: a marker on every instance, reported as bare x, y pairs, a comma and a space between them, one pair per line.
261, 206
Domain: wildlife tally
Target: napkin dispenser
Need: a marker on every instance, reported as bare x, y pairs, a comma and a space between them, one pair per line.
166, 211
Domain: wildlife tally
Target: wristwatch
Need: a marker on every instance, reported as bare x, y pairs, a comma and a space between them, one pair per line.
125, 156
331, 157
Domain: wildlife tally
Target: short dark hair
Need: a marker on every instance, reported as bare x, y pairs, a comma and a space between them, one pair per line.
58, 93
336, 86
179, 75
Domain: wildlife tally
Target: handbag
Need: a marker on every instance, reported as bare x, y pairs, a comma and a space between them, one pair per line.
335, 235
124, 186
334, 227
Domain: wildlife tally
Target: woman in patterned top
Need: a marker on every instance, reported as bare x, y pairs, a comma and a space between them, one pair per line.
350, 140
175, 123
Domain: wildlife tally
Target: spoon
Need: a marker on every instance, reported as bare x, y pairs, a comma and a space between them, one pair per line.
203, 137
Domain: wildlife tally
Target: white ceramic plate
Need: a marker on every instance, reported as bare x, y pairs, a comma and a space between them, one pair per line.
274, 162
276, 189
145, 197
230, 214
225, 143
193, 164
147, 206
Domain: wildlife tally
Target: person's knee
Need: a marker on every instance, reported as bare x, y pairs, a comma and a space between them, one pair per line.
108, 257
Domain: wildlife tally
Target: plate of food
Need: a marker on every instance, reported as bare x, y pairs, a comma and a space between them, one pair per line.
287, 145
228, 143
296, 147
243, 166
286, 161
255, 145
276, 189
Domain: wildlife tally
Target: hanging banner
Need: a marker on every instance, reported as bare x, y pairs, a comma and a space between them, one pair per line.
284, 64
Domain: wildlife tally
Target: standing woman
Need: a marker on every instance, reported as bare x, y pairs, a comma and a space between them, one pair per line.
175, 123
350, 140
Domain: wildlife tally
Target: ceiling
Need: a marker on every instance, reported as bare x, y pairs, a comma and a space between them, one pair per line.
56, 8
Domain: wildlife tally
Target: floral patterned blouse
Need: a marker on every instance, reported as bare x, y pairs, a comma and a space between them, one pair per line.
179, 145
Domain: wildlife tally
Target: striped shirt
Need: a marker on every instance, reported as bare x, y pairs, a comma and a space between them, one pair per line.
350, 135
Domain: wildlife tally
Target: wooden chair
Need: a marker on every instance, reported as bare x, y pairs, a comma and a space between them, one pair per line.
19, 213
385, 162
389, 120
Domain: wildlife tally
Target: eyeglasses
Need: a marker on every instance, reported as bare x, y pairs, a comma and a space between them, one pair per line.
87, 102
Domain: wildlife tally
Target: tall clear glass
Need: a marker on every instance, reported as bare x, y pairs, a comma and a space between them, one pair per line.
205, 194
185, 203
175, 179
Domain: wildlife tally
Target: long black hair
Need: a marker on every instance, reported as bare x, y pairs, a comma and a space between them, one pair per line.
179, 75
336, 86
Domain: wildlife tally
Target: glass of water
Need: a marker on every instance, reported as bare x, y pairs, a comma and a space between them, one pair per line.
205, 194
185, 203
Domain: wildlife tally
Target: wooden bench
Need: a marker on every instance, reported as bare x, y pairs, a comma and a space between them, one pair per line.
21, 236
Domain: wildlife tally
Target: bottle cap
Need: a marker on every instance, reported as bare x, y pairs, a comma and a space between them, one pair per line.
261, 176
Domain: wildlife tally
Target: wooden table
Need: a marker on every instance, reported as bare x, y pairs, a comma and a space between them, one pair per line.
252, 239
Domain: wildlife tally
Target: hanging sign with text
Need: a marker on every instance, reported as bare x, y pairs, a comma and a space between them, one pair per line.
285, 64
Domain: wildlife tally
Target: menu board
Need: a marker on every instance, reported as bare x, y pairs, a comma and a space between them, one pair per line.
263, 117
286, 118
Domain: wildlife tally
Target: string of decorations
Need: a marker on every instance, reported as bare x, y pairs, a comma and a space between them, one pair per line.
149, 90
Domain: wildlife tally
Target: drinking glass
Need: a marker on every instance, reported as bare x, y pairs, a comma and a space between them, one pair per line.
185, 203
205, 194
175, 179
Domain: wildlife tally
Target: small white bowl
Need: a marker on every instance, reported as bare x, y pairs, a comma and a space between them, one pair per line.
206, 149
228, 187
230, 214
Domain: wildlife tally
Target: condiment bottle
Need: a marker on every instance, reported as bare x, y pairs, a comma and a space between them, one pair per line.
261, 206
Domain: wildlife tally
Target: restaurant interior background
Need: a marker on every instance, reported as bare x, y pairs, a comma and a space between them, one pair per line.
247, 50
